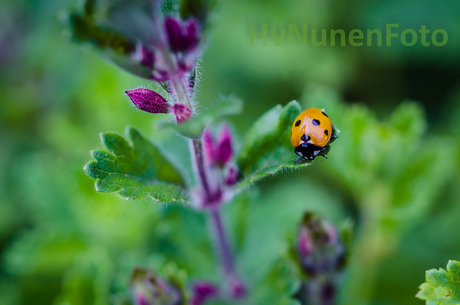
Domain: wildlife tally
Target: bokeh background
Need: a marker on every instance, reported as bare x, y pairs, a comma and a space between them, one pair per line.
62, 243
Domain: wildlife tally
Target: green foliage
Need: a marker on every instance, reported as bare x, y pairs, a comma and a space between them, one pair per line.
84, 29
283, 281
134, 170
268, 138
199, 9
269, 172
62, 243
98, 25
194, 127
387, 166
442, 286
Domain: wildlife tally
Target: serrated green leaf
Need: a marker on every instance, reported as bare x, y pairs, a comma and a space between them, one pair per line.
134, 170
269, 135
269, 171
194, 127
442, 286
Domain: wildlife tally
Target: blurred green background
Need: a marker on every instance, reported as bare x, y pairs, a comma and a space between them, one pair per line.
62, 243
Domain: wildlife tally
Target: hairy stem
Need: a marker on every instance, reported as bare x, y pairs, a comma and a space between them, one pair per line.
226, 256
215, 218
177, 81
198, 152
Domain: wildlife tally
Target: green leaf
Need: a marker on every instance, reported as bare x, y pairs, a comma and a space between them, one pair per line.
85, 30
441, 287
134, 170
269, 171
194, 127
268, 136
198, 9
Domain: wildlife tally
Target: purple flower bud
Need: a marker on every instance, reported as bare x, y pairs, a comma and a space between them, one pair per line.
304, 243
319, 248
182, 112
203, 200
237, 289
202, 292
208, 144
232, 175
182, 36
144, 55
149, 289
192, 35
140, 298
224, 150
148, 100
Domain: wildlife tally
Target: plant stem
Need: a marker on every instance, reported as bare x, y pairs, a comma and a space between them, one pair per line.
177, 81
226, 256
236, 287
223, 248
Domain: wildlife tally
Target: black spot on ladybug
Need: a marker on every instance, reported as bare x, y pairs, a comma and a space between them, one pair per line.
326, 132
316, 122
324, 113
297, 123
305, 139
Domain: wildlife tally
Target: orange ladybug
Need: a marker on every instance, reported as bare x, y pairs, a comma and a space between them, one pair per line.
310, 133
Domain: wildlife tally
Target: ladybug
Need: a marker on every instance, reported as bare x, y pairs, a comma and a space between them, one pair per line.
310, 133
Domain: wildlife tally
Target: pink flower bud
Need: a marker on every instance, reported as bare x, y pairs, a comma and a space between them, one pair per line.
208, 144
319, 248
182, 112
140, 298
202, 292
232, 175
144, 55
304, 243
182, 36
237, 289
224, 150
148, 100
149, 289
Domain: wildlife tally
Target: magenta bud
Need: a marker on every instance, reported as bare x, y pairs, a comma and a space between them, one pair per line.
232, 175
203, 200
144, 55
208, 144
202, 292
304, 243
148, 100
182, 112
237, 289
224, 151
182, 36
149, 289
319, 248
192, 35
140, 298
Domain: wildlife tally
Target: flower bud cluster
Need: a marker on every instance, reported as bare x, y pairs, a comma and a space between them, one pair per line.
319, 248
219, 172
149, 289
